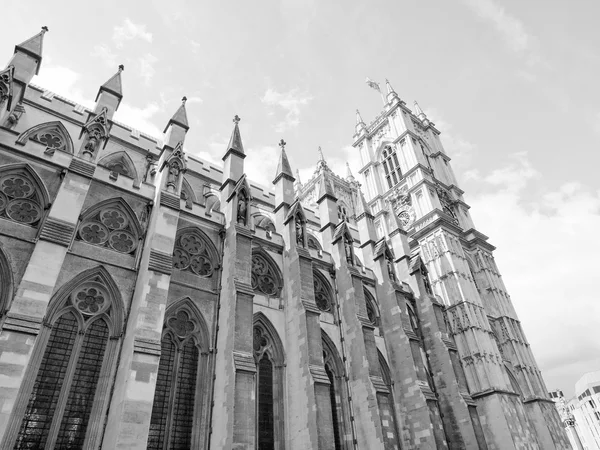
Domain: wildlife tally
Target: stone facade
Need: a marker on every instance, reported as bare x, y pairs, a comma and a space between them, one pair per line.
150, 300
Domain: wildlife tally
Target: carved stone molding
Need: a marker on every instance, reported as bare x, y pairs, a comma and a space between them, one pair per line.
147, 346
160, 262
57, 231
244, 362
82, 167
24, 324
319, 375
169, 200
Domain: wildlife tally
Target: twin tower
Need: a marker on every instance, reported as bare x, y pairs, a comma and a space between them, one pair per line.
150, 300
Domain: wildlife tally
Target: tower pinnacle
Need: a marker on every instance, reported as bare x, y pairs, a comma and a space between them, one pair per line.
421, 115
180, 116
114, 88
391, 94
235, 142
283, 166
360, 124
349, 175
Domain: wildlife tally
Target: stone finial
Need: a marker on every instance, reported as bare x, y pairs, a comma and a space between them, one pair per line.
121, 68
236, 119
183, 100
45, 29
282, 144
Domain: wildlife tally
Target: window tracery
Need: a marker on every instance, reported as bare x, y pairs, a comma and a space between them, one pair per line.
20, 198
264, 278
391, 166
62, 403
371, 308
323, 297
191, 254
110, 226
173, 415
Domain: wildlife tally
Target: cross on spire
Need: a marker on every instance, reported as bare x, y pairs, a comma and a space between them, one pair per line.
121, 67
184, 99
282, 144
45, 29
236, 119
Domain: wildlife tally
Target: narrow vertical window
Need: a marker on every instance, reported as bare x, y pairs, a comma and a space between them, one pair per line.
334, 409
393, 174
265, 404
171, 423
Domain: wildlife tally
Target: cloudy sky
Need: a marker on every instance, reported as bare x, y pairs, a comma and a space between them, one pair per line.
511, 84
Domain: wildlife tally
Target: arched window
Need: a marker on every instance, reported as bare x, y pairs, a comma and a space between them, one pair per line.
391, 166
194, 253
372, 310
53, 135
334, 368
264, 222
312, 242
386, 406
76, 353
121, 163
323, 292
111, 224
266, 276
342, 212
175, 419
23, 196
268, 354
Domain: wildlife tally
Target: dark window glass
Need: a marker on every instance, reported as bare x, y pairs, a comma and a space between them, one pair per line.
83, 387
334, 410
158, 421
266, 438
47, 386
183, 408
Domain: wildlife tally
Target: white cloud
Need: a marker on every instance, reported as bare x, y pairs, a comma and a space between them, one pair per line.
147, 70
140, 118
194, 99
456, 146
261, 164
547, 254
511, 28
129, 31
63, 81
291, 102
105, 54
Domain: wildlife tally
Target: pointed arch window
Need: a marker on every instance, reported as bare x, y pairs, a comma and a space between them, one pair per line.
22, 196
334, 369
372, 310
268, 354
111, 224
265, 276
53, 135
193, 253
323, 292
69, 394
386, 405
177, 402
391, 166
120, 163
312, 242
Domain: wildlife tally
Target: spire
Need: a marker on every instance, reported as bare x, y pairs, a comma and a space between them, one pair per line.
321, 163
349, 175
180, 117
113, 86
297, 183
360, 124
283, 167
33, 47
391, 94
421, 115
325, 189
235, 142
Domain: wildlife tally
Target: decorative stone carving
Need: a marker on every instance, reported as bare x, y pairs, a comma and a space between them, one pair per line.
191, 254
110, 226
96, 131
349, 251
447, 203
390, 268
299, 231
90, 300
242, 208
322, 294
20, 200
264, 277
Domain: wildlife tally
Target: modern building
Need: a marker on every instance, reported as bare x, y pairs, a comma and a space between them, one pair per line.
152, 300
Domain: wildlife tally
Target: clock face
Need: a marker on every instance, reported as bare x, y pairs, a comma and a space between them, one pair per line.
404, 217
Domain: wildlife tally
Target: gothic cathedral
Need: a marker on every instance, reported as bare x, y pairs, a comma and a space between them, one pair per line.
150, 300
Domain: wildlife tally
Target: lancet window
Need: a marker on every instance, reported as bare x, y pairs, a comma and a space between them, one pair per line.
177, 404
334, 369
391, 166
192, 254
323, 294
268, 355
265, 277
372, 313
22, 198
76, 350
111, 224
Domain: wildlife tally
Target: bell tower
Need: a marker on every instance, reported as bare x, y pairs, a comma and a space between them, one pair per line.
408, 180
